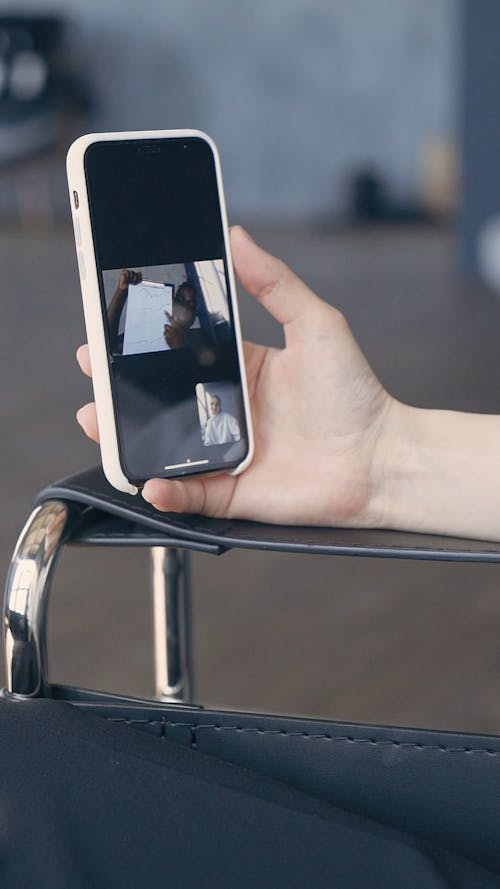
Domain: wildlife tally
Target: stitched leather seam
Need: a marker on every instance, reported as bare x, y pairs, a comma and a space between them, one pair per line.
194, 727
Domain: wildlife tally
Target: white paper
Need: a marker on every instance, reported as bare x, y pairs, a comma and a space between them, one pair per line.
147, 305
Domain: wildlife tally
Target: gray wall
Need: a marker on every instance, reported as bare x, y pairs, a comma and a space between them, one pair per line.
297, 93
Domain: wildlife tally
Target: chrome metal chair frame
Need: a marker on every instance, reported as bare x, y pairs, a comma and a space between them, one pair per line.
27, 595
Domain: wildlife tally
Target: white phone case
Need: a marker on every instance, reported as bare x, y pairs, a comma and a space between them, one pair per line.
92, 303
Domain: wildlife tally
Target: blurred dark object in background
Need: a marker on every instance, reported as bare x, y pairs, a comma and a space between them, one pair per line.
368, 196
436, 196
370, 202
42, 99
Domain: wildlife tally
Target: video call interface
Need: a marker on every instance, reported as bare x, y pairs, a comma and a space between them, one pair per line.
164, 290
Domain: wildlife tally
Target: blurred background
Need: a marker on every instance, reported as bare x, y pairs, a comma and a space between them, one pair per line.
361, 143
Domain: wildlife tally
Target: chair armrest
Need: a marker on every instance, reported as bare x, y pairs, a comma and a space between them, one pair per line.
124, 519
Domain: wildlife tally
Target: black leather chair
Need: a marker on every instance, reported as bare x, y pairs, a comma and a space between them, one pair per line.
442, 788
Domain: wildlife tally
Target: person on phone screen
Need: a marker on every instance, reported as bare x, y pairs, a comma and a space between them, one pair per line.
184, 311
179, 321
178, 330
221, 427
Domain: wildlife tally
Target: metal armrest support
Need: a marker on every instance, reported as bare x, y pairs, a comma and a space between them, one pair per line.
27, 595
50, 526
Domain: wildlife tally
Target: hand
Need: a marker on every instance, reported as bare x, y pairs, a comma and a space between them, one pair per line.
128, 276
319, 416
174, 333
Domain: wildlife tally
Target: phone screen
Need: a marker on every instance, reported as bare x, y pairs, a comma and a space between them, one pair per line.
167, 307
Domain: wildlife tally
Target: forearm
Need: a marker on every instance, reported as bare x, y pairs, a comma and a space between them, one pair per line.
115, 309
440, 472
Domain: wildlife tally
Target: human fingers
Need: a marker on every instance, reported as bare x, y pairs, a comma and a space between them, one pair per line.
174, 324
271, 282
86, 417
124, 279
254, 359
83, 358
202, 496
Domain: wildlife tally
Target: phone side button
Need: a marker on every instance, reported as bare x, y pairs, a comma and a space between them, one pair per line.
81, 265
78, 234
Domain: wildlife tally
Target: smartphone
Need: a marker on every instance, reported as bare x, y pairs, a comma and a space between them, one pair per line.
160, 305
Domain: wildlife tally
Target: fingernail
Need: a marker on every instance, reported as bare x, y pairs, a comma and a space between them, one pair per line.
149, 492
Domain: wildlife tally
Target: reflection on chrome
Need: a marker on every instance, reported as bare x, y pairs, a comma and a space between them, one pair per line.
171, 615
26, 598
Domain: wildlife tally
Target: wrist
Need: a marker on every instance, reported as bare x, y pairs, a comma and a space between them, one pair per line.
393, 468
439, 472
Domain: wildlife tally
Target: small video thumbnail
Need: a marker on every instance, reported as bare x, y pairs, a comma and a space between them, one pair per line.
218, 413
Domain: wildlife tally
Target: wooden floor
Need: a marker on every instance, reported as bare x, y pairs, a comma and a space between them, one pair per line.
377, 641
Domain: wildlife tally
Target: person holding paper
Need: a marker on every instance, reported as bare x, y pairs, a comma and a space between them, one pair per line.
179, 320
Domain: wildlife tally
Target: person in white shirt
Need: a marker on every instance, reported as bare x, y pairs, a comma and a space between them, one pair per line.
220, 428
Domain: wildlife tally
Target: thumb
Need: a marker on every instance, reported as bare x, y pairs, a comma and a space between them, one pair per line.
268, 279
203, 496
